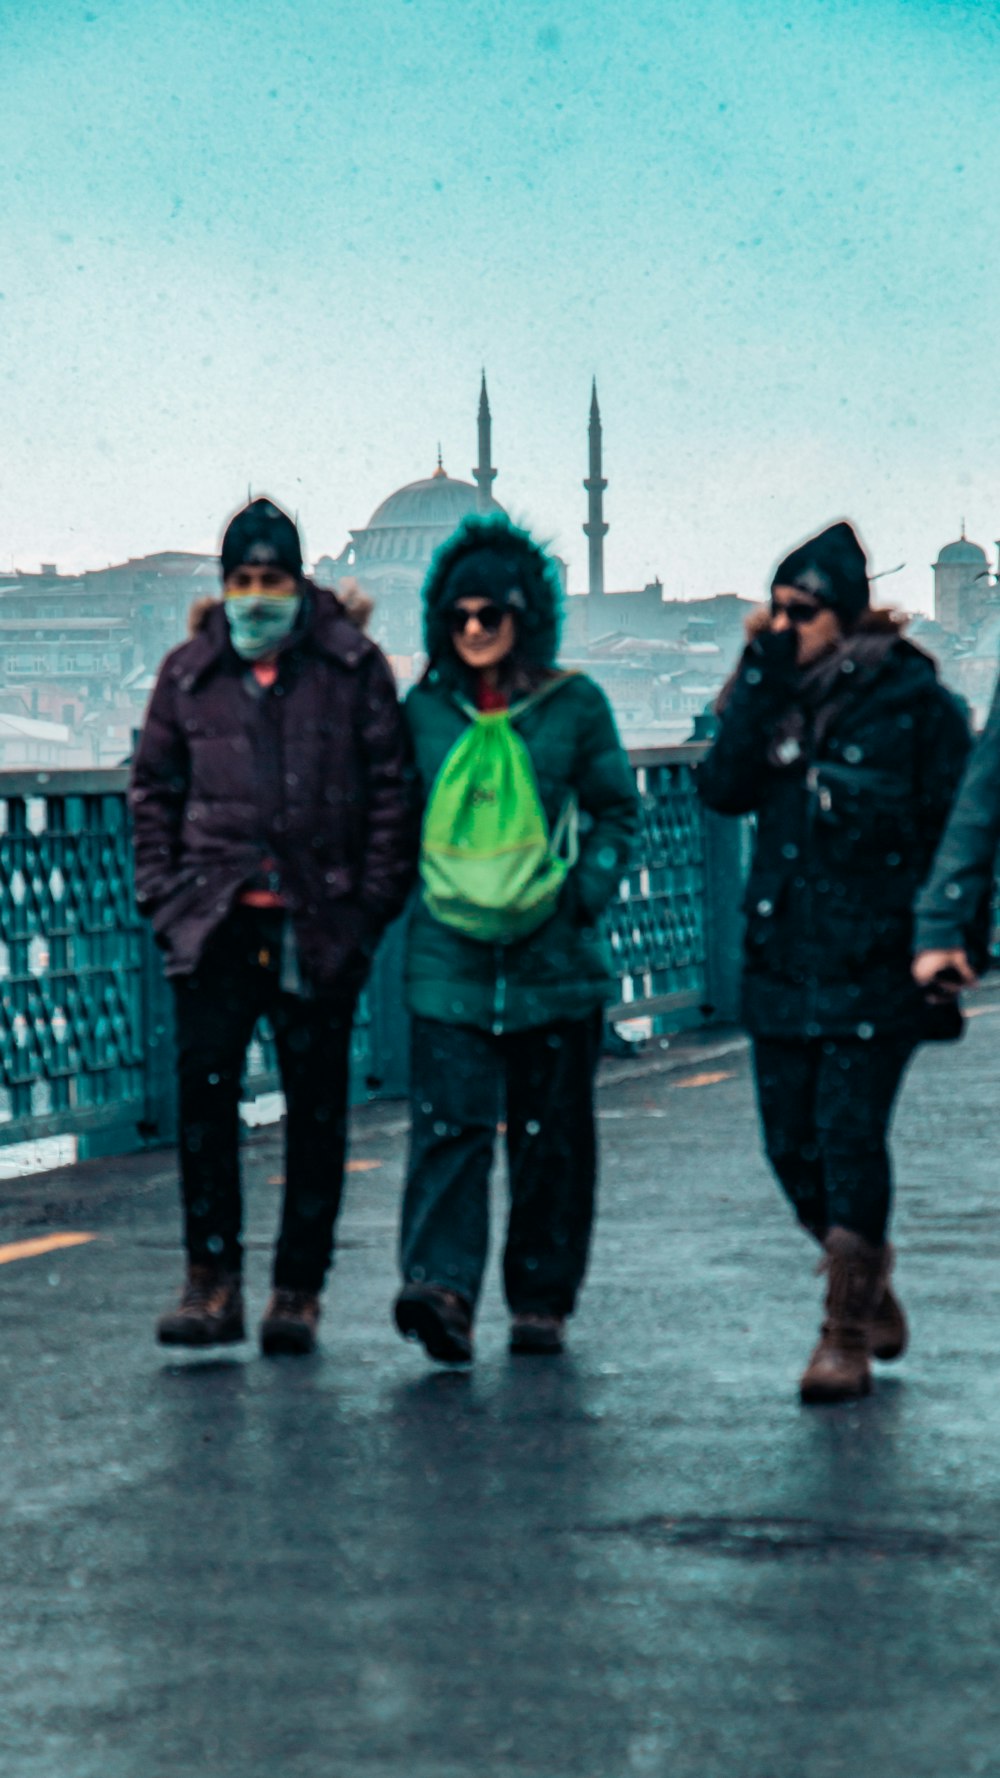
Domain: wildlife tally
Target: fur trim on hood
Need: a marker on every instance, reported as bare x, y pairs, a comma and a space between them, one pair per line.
357, 607
535, 573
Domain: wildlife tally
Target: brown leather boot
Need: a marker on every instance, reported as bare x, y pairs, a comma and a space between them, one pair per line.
839, 1369
290, 1323
440, 1319
888, 1333
210, 1311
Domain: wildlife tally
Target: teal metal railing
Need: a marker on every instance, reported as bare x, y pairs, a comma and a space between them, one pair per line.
86, 1041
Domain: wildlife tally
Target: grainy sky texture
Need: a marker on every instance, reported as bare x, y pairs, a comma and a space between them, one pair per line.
251, 242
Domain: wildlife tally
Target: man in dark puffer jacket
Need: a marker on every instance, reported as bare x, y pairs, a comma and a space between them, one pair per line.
274, 840
836, 732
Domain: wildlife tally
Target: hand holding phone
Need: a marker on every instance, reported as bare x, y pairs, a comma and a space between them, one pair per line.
943, 975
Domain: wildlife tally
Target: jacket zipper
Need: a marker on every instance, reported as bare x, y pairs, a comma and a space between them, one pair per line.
499, 991
814, 800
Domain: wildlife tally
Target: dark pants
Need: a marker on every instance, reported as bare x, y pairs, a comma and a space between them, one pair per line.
218, 1006
463, 1081
825, 1106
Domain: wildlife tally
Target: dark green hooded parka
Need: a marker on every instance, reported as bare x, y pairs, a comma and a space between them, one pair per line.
564, 969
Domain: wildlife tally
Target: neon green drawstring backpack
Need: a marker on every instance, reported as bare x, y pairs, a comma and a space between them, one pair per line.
489, 865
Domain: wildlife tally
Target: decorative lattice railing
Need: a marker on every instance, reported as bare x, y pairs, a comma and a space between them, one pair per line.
657, 926
85, 1034
72, 956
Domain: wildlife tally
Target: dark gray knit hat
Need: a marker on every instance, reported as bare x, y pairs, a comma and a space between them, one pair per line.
832, 566
261, 535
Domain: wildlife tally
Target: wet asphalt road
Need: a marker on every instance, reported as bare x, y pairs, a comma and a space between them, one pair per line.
643, 1558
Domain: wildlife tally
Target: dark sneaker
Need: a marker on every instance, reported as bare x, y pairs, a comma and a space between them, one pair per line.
290, 1323
439, 1318
210, 1312
537, 1333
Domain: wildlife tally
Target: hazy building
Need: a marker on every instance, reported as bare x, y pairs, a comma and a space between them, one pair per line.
962, 586
80, 651
83, 650
389, 556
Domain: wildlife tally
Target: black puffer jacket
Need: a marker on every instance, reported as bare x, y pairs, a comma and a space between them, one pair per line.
850, 767
313, 774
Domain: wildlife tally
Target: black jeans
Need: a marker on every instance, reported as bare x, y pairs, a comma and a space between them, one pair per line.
825, 1106
218, 1006
462, 1082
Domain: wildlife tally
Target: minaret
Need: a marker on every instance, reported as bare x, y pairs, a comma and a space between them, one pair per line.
484, 475
595, 528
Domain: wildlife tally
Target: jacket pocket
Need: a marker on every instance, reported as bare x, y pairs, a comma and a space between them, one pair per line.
850, 937
863, 819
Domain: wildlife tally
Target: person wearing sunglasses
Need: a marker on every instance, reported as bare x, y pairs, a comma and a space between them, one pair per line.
507, 1025
836, 733
275, 837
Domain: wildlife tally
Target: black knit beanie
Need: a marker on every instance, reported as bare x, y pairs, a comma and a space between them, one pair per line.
261, 535
832, 567
484, 574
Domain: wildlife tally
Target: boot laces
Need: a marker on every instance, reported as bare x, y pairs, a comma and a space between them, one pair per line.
202, 1290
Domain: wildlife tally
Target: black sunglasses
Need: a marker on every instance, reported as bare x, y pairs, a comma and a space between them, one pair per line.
488, 617
797, 612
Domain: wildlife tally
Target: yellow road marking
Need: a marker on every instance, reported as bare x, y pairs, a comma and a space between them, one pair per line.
706, 1080
352, 1167
41, 1244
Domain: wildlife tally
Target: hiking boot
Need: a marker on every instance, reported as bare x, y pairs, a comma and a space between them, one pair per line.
290, 1322
210, 1311
839, 1369
439, 1318
537, 1333
888, 1334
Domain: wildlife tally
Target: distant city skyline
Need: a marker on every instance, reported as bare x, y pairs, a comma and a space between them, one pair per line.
269, 248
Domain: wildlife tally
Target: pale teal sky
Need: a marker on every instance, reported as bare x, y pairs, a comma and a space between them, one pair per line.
256, 242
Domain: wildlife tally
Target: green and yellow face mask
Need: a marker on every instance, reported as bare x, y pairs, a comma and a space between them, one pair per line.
261, 605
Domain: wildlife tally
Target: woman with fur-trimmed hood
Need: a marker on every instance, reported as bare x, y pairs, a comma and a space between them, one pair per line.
508, 1031
837, 734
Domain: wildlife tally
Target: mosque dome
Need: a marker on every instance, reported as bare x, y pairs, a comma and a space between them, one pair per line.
438, 501
961, 553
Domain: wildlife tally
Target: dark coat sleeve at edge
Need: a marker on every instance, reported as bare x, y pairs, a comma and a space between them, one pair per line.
952, 909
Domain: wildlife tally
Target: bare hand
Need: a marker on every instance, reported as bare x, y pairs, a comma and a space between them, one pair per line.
943, 973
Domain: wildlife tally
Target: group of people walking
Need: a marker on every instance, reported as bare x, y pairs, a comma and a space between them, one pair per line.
286, 809
279, 794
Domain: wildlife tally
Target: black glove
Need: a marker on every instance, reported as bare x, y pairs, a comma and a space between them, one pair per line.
774, 651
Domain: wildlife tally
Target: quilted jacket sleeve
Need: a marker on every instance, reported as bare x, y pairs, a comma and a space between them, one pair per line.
609, 808
390, 863
157, 794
